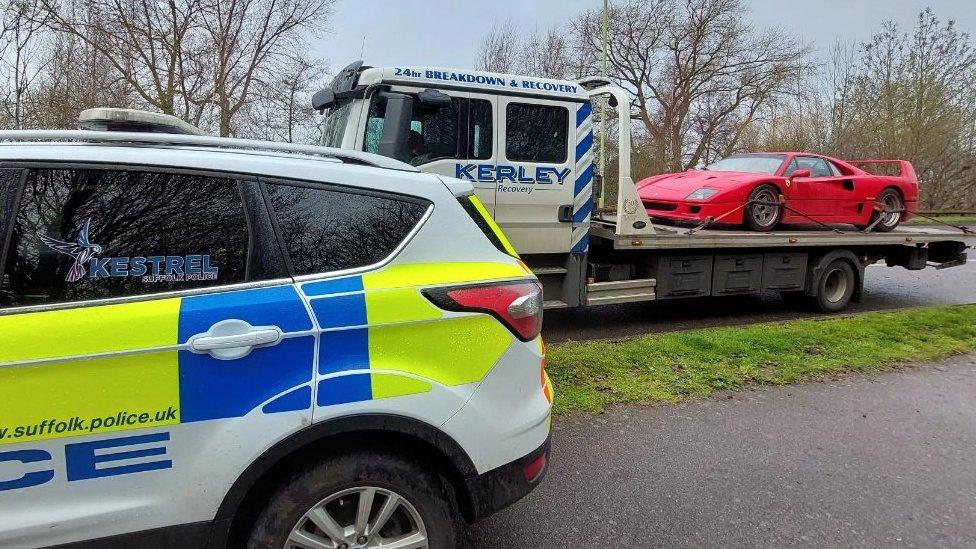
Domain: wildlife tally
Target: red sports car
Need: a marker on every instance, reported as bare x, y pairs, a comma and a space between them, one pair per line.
763, 190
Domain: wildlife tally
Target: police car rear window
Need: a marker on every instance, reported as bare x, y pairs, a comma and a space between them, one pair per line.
331, 229
81, 234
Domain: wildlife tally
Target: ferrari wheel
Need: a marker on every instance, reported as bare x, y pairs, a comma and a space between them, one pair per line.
763, 211
891, 216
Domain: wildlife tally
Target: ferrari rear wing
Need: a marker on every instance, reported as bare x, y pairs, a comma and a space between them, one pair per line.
905, 168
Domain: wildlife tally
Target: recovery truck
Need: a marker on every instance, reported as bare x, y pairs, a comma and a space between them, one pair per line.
526, 144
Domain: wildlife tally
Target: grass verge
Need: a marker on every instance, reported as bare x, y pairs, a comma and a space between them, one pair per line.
953, 219
589, 376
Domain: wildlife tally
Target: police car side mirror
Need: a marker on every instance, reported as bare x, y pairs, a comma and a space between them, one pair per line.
434, 98
323, 99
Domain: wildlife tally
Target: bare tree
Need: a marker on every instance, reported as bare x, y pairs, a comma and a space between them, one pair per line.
547, 55
198, 59
498, 51
698, 73
24, 21
146, 42
75, 77
281, 110
253, 40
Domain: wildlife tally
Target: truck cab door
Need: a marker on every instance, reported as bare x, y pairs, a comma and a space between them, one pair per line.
534, 173
456, 141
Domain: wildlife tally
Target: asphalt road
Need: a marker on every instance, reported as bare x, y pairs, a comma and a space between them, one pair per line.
884, 288
885, 460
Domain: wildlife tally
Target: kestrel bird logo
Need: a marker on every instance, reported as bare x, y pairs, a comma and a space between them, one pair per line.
82, 250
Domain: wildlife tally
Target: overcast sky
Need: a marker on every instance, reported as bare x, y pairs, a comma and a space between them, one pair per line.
447, 32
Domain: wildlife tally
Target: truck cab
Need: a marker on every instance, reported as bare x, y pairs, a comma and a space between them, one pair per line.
525, 143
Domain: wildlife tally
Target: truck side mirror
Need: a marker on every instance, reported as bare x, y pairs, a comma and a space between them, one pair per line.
323, 99
396, 126
434, 98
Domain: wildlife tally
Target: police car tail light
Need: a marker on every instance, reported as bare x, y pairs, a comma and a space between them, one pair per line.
518, 305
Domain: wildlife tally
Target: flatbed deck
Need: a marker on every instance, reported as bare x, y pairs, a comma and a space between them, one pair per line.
669, 237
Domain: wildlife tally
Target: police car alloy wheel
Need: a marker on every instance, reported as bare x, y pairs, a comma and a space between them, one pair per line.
359, 500
362, 517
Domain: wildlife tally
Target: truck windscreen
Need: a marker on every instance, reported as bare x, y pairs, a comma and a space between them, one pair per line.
334, 126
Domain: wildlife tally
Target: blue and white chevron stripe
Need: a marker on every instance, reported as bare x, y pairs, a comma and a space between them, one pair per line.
583, 187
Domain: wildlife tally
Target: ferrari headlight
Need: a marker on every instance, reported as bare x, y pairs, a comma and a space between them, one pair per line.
703, 193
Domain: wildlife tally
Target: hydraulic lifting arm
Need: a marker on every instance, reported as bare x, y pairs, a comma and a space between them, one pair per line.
631, 218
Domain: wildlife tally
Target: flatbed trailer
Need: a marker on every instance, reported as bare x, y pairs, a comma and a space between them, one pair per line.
527, 146
677, 263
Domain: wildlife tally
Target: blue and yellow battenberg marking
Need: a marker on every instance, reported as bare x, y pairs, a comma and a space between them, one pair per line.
87, 386
381, 322
125, 366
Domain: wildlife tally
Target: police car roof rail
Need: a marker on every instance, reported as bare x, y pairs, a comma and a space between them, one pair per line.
228, 143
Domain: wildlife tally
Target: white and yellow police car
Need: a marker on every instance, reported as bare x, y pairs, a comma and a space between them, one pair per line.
210, 342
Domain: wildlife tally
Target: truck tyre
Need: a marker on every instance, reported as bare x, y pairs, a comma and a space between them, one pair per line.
891, 199
835, 287
358, 500
763, 217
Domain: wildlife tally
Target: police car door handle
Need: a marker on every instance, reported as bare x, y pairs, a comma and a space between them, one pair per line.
230, 339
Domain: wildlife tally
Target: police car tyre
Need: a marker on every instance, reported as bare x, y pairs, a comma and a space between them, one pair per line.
423, 505
763, 217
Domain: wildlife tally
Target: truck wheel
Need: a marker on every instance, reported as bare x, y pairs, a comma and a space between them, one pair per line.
763, 217
893, 204
358, 500
835, 287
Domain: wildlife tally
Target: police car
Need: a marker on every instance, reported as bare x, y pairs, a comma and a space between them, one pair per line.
210, 342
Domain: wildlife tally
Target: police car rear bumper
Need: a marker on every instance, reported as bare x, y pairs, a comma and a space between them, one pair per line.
500, 487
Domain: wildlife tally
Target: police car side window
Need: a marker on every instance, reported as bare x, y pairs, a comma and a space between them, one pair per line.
90, 234
536, 133
327, 229
9, 180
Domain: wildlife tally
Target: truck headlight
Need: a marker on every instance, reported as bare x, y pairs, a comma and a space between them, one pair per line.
703, 193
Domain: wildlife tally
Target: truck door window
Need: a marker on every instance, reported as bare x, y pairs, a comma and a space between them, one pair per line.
433, 132
461, 131
536, 133
479, 129
329, 230
91, 234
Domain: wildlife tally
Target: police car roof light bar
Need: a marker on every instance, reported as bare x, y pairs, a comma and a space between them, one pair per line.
341, 155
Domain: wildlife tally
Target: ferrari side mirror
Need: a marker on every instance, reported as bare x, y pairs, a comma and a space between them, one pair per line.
802, 172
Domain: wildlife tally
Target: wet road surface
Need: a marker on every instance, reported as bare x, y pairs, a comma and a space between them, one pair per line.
883, 460
884, 288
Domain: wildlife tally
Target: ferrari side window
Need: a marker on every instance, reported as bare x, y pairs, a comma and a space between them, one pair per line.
791, 168
818, 166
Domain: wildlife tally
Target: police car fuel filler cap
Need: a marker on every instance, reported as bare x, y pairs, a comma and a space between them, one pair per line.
133, 120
